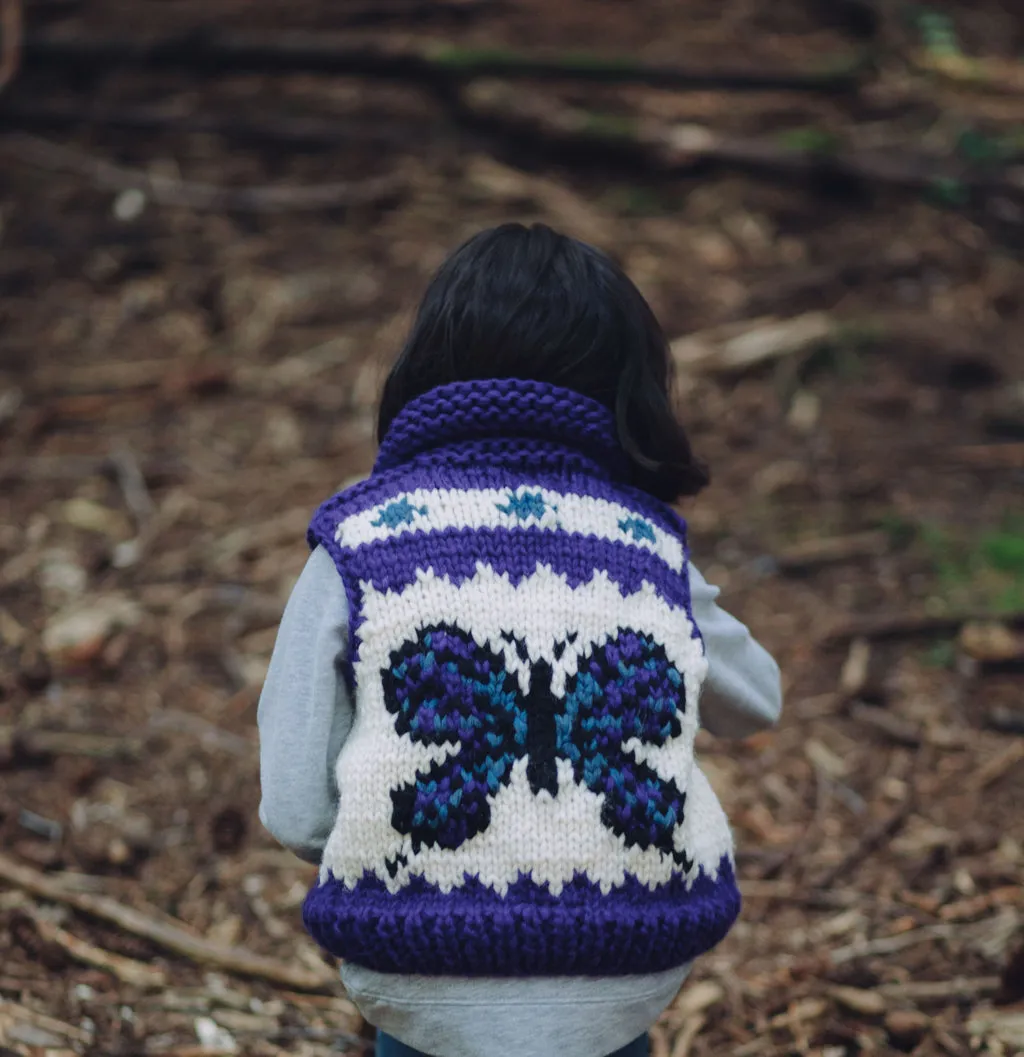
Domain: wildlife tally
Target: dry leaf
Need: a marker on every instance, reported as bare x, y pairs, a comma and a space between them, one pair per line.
870, 1003
990, 641
77, 636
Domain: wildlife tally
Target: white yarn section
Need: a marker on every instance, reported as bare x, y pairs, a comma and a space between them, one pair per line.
432, 510
553, 838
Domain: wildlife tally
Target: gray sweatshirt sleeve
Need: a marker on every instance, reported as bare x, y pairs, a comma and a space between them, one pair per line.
743, 691
305, 712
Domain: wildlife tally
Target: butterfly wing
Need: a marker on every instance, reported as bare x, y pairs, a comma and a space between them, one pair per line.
624, 689
443, 688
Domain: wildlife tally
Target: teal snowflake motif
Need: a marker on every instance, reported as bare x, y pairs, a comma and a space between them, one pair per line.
399, 512
638, 529
525, 506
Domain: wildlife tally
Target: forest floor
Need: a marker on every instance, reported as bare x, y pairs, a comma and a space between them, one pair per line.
185, 374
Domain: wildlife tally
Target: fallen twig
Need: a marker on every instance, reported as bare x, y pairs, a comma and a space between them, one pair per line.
104, 377
209, 735
693, 1001
32, 742
798, 1013
994, 769
691, 1028
792, 892
659, 1041
870, 840
132, 483
76, 467
170, 937
948, 1043
127, 970
990, 73
330, 1003
804, 1009
170, 191
907, 625
853, 676
688, 148
736, 347
988, 644
941, 990
293, 130
830, 550
859, 1000
991, 456
976, 906
817, 707
17, 1011
759, 1047
895, 729
889, 944
219, 53
208, 1051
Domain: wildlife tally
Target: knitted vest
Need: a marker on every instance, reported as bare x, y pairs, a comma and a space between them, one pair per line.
518, 794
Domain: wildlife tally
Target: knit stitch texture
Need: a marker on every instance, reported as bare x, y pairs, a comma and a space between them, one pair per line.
518, 794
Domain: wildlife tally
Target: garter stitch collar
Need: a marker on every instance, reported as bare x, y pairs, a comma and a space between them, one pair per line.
506, 409
518, 794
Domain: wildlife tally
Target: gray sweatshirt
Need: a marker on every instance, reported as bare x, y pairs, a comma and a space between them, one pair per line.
305, 714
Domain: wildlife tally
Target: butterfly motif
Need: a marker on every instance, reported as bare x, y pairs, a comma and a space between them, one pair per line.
443, 688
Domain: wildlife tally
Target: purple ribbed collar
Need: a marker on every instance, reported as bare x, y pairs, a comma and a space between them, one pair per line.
505, 408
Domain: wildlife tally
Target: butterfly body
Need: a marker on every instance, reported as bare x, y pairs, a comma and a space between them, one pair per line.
541, 733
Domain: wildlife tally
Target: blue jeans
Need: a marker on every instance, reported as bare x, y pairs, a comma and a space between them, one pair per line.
389, 1047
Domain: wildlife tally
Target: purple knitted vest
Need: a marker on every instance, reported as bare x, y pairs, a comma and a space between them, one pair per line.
518, 794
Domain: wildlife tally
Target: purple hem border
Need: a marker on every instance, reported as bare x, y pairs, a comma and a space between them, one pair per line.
473, 931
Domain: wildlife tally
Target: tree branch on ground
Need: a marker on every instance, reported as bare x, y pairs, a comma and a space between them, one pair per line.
989, 74
407, 12
908, 625
170, 191
677, 150
163, 934
437, 63
297, 131
127, 970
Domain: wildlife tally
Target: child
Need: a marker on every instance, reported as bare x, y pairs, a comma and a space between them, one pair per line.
480, 712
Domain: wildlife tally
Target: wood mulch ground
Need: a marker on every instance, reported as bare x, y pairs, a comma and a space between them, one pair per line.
186, 373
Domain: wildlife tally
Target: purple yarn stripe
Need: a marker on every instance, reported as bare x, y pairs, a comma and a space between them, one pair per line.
473, 931
392, 564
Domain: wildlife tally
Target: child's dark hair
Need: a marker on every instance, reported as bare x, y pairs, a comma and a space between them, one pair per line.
529, 303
